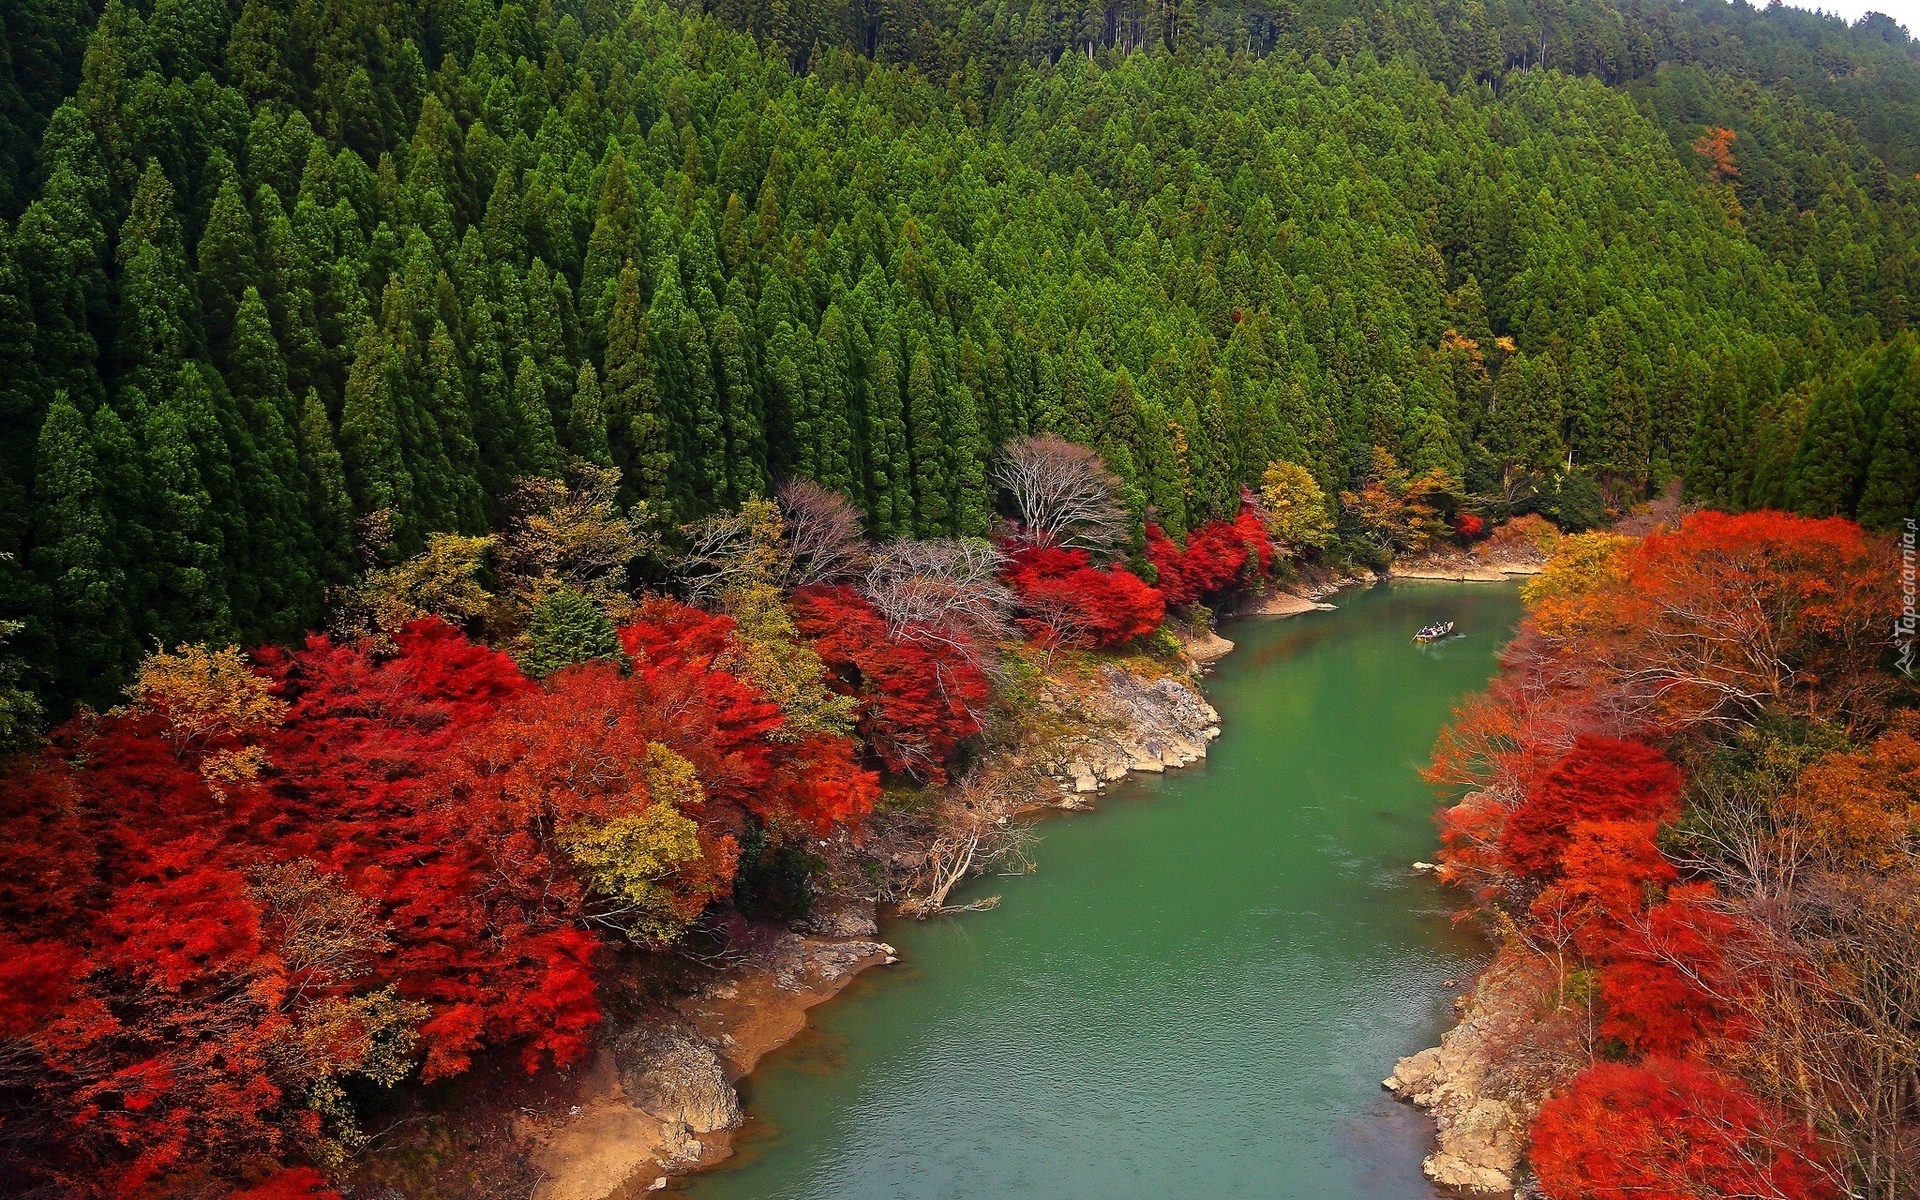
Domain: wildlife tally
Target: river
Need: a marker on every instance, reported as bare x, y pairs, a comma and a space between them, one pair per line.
1199, 991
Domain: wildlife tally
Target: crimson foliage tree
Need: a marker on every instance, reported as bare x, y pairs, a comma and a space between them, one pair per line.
1669, 1129
412, 855
1219, 555
921, 691
1599, 779
1064, 599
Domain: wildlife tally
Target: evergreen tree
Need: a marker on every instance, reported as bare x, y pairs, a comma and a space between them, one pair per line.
615, 238
218, 445
330, 506
793, 417
158, 325
746, 454
1212, 478
1892, 492
1832, 458
495, 425
377, 475
288, 277
587, 420
253, 54
967, 455
281, 545
546, 328
21, 399
540, 449
567, 628
120, 473
1165, 468
927, 439
229, 261
1778, 428
189, 601
836, 453
889, 467
73, 556
707, 427
1718, 470
453, 421
1524, 427
633, 398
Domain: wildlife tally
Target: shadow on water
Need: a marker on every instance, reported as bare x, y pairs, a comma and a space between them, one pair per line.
1199, 991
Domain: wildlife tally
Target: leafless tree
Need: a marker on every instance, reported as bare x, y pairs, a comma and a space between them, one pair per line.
978, 829
729, 550
325, 932
714, 557
944, 590
1055, 621
824, 534
1832, 974
1826, 959
1064, 494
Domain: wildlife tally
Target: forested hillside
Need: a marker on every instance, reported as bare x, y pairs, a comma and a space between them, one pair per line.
295, 268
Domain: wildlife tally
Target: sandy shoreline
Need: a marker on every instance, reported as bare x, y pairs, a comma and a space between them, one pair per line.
1467, 574
607, 1145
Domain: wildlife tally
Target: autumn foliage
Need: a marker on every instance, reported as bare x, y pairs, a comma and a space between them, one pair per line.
1711, 621
270, 883
1064, 599
921, 691
1637, 653
1669, 1129
1716, 147
1599, 779
1218, 556
428, 857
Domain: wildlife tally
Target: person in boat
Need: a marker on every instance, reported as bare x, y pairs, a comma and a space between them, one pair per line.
1434, 632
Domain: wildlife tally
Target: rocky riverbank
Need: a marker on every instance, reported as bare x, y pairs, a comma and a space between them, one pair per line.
1131, 724
1488, 1076
1515, 1037
1485, 564
658, 1097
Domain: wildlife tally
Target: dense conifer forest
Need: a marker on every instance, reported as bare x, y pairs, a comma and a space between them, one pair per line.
272, 269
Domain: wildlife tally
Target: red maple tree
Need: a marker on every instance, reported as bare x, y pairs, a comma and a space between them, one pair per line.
1065, 600
1219, 555
1670, 1129
921, 693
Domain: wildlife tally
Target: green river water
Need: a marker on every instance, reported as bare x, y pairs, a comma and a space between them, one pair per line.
1199, 991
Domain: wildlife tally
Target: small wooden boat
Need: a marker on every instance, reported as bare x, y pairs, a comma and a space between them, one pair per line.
1434, 632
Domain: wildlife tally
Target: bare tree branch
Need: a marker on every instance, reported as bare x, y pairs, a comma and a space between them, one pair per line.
824, 534
979, 830
1064, 494
946, 591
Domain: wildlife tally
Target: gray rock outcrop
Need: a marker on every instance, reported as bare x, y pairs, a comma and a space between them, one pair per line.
1486, 1079
799, 964
1141, 725
675, 1077
836, 917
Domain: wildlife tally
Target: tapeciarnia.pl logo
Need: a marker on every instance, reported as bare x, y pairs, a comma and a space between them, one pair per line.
1905, 624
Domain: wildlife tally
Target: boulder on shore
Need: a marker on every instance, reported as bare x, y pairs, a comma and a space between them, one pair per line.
673, 1076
